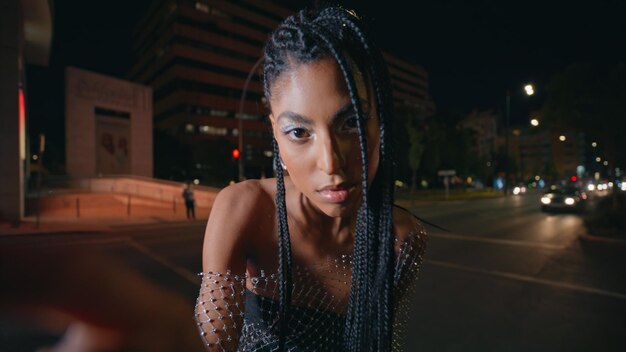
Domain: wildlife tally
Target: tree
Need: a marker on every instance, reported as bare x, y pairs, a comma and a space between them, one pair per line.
416, 149
431, 155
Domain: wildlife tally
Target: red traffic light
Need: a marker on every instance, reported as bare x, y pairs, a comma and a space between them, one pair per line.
573, 178
236, 153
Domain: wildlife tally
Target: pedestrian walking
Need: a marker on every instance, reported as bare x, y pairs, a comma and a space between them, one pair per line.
190, 201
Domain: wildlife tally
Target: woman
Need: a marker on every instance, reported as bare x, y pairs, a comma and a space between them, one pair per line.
344, 257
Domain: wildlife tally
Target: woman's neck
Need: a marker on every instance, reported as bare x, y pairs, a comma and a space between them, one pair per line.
317, 225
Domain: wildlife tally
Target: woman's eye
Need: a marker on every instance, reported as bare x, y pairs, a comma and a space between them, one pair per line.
298, 133
350, 123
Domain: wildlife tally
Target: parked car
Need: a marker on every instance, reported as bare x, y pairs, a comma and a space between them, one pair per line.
569, 199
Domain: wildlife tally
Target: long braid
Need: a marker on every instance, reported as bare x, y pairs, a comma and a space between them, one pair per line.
370, 308
384, 279
384, 275
284, 251
382, 89
363, 269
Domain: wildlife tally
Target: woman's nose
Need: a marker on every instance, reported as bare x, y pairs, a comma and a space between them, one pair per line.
330, 157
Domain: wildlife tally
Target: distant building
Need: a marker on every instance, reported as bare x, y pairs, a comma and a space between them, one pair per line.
484, 126
409, 81
532, 150
568, 152
545, 152
197, 56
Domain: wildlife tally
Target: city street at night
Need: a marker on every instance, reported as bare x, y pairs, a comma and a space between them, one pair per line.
507, 277
154, 151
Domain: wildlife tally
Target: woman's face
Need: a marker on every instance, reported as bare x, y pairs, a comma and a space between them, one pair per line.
314, 124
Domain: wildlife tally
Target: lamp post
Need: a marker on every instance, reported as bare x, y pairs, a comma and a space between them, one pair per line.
240, 165
506, 142
530, 90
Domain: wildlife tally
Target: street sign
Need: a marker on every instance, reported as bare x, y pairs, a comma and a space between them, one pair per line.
446, 172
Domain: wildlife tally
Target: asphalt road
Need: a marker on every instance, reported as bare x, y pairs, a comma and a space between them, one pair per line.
506, 277
511, 278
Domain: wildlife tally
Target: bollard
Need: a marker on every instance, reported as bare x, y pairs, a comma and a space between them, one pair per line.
37, 209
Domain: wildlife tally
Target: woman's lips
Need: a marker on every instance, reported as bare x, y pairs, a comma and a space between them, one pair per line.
336, 194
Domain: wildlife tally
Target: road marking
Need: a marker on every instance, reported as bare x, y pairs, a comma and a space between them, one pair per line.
184, 273
77, 242
450, 236
174, 239
524, 278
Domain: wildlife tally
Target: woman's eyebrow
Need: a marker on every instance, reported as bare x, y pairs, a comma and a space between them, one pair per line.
300, 119
346, 109
294, 117
341, 112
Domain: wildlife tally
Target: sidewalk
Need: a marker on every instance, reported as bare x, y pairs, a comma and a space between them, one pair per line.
28, 226
98, 213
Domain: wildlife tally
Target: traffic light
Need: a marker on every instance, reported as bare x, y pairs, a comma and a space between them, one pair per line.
573, 178
236, 153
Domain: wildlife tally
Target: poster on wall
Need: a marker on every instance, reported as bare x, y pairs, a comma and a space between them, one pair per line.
112, 146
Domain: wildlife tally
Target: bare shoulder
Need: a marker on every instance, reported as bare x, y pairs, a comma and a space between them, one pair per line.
409, 229
244, 197
239, 212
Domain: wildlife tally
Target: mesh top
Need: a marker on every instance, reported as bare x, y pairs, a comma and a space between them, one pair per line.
240, 313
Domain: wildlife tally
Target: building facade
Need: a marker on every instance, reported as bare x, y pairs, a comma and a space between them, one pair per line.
409, 82
108, 124
25, 38
202, 59
485, 129
547, 153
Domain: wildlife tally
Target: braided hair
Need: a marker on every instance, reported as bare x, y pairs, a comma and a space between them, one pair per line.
337, 33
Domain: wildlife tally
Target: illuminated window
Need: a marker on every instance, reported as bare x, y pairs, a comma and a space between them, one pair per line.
202, 7
214, 131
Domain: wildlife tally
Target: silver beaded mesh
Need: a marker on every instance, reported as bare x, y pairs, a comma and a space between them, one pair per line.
240, 313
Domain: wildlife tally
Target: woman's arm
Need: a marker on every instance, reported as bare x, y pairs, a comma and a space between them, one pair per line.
228, 238
411, 240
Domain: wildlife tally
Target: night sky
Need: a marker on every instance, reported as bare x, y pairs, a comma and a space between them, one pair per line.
473, 51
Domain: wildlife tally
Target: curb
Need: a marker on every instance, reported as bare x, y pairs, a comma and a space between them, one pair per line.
27, 228
45, 231
602, 240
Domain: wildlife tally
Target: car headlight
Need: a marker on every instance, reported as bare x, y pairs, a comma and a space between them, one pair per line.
546, 200
570, 201
516, 190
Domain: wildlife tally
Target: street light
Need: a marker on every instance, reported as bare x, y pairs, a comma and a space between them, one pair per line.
530, 90
562, 138
534, 122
